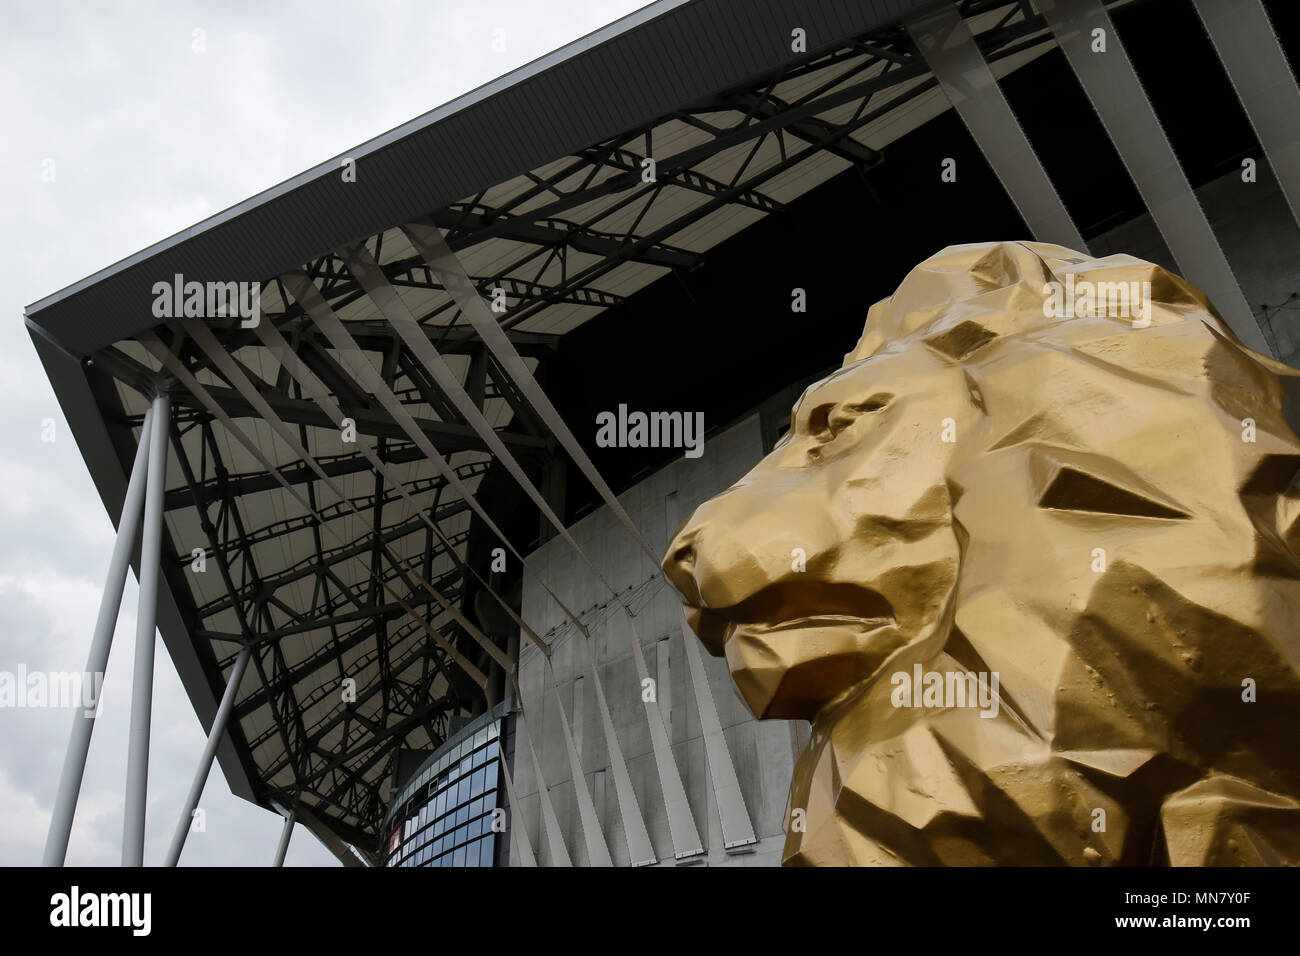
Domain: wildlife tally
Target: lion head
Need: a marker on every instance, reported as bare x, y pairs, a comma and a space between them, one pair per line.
1062, 481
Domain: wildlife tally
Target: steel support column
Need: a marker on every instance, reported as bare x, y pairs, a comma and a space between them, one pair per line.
209, 752
83, 724
1126, 113
1244, 38
285, 833
137, 757
946, 42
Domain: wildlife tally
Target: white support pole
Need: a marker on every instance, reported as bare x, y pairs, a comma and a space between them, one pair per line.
83, 724
287, 832
209, 752
137, 757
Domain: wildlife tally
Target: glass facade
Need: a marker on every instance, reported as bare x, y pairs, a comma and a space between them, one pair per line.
445, 814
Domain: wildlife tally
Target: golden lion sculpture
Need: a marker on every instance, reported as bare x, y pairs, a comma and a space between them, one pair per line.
1028, 562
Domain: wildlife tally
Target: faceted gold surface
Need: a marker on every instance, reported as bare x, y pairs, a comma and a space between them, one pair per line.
1098, 509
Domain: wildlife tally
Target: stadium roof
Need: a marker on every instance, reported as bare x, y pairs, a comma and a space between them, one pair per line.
340, 560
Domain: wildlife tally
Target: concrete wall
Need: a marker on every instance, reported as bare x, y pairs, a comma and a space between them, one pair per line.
763, 753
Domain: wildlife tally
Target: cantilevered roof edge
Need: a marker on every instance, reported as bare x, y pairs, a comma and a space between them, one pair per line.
581, 94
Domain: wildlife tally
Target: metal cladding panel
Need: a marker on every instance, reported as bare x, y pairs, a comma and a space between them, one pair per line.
578, 96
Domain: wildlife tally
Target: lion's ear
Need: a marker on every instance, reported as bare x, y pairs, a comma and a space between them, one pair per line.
1056, 257
954, 275
873, 335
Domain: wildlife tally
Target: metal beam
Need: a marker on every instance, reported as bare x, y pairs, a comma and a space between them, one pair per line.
1244, 38
451, 436
83, 724
285, 832
336, 467
137, 757
205, 759
640, 850
594, 242
309, 297
681, 824
592, 836
1121, 103
946, 42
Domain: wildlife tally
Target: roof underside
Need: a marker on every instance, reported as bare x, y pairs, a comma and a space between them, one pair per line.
303, 576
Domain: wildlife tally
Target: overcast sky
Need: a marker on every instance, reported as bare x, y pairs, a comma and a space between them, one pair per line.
145, 135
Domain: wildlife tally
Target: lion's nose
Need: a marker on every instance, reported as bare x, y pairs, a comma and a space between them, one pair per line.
679, 563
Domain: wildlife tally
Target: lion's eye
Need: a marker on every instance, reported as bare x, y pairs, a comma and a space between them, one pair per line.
819, 420
873, 404
829, 419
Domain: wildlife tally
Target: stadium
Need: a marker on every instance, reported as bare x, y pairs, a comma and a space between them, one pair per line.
395, 448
